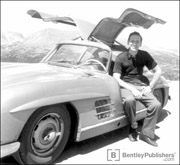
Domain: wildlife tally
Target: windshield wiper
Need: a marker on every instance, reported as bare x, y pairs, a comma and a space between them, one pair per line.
62, 61
83, 64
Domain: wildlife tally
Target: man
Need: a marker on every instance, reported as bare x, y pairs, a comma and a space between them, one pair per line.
128, 70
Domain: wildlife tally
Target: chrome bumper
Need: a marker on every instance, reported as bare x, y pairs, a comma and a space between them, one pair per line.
9, 149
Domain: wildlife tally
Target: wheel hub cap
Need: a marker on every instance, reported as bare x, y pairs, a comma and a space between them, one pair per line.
51, 136
47, 134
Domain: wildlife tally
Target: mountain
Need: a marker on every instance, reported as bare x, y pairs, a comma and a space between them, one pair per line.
44, 38
48, 37
8, 38
16, 48
31, 49
169, 63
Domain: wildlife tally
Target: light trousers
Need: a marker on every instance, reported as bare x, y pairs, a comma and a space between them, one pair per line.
152, 105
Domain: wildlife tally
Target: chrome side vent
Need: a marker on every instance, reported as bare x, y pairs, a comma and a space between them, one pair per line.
104, 108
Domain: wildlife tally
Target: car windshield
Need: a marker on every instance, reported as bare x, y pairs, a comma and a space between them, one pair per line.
71, 55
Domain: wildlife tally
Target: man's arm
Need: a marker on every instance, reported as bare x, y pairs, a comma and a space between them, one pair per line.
157, 73
137, 94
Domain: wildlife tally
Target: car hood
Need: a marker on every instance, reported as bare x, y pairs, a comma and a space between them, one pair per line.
21, 73
108, 28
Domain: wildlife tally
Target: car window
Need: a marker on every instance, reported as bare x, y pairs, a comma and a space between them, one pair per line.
69, 53
84, 56
97, 54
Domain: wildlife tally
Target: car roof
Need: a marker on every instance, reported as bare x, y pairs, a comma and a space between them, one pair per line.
86, 43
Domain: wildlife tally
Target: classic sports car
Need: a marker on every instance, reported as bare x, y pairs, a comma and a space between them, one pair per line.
71, 94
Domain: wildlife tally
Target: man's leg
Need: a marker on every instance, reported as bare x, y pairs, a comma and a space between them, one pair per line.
130, 111
129, 106
149, 125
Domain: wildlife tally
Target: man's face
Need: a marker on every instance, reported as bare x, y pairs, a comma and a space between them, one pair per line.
134, 42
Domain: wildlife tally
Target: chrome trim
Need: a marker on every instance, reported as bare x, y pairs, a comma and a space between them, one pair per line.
107, 122
105, 111
9, 149
142, 110
104, 105
78, 132
103, 123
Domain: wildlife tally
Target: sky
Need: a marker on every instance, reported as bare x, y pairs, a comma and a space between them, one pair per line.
14, 17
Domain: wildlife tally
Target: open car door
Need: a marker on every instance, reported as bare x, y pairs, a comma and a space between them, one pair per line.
84, 27
108, 29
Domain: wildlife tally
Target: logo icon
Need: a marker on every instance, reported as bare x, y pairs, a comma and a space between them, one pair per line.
113, 155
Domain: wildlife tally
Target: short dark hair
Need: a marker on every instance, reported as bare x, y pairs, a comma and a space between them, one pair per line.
134, 33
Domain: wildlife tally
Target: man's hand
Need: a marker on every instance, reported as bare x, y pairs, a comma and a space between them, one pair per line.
146, 90
137, 94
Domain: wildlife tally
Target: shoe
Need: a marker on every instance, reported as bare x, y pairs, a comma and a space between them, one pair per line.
133, 134
148, 140
132, 138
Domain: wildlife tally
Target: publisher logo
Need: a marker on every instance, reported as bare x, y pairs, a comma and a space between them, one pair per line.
113, 155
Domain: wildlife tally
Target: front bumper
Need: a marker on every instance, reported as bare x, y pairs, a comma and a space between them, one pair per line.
9, 149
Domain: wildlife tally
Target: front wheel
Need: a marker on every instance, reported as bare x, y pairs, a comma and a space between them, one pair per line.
45, 136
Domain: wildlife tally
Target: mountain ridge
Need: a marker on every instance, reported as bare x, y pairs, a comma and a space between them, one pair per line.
17, 48
46, 37
49, 37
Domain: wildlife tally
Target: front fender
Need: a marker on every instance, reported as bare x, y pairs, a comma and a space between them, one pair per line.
14, 96
12, 122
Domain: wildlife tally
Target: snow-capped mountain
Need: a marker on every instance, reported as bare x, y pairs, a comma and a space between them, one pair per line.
8, 38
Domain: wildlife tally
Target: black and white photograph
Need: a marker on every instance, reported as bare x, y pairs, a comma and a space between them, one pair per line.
89, 82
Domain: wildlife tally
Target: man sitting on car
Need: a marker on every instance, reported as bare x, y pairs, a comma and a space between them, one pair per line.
128, 71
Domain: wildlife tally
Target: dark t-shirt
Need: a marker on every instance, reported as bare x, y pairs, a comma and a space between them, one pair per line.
131, 68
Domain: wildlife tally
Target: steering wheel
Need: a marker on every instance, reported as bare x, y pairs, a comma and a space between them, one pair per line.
96, 61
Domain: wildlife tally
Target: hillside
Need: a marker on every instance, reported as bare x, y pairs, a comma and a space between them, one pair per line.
16, 48
9, 38
168, 61
48, 37
34, 47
